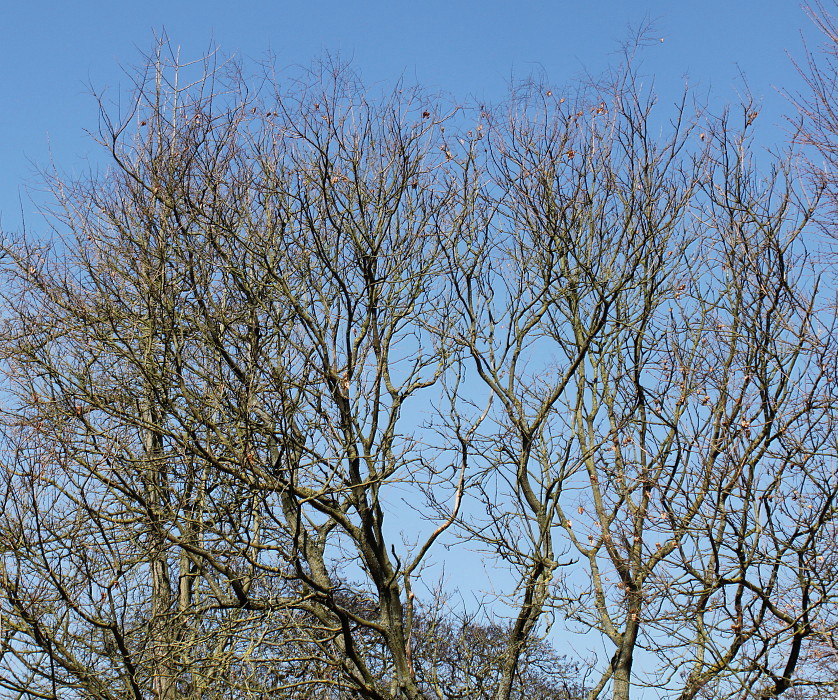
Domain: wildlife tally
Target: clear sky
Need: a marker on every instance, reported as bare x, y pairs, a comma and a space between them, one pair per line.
51, 52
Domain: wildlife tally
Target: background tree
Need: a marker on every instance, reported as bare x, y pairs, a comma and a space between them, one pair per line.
296, 340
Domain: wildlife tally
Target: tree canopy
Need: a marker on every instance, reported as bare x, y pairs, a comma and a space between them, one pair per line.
303, 343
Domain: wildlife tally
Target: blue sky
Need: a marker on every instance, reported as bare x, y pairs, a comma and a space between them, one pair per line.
52, 52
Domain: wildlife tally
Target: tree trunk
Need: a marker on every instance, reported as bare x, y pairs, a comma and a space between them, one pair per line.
623, 658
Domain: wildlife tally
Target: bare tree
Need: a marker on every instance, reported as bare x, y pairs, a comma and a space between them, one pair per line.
817, 104
215, 351
297, 344
644, 313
